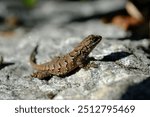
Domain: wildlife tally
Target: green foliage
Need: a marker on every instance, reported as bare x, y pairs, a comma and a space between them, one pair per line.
29, 3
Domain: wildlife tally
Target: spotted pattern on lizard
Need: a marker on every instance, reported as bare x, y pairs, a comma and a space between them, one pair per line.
63, 65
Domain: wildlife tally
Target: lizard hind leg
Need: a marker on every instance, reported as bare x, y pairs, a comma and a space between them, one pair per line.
41, 75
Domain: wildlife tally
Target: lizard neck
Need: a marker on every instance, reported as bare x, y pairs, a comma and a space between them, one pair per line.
80, 51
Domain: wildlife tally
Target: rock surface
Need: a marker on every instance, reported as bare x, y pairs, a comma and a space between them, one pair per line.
123, 65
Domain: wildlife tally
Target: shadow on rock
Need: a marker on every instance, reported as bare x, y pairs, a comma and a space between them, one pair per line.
146, 50
5, 64
115, 56
138, 91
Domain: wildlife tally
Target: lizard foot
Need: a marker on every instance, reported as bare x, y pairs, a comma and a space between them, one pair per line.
89, 65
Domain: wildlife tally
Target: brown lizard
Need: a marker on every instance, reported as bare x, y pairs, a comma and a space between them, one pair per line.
61, 66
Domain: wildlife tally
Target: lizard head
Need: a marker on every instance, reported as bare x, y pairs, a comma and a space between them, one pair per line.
90, 42
86, 46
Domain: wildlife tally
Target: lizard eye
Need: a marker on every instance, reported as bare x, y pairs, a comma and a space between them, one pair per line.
97, 38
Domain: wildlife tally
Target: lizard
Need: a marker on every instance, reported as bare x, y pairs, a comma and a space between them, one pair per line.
1, 60
63, 65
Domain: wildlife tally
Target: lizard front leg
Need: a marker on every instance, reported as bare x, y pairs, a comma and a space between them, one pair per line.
41, 74
85, 63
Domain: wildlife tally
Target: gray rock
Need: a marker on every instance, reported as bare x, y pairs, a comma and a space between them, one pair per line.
121, 63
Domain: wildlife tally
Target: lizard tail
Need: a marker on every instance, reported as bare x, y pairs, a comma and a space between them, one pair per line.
33, 60
32, 56
1, 59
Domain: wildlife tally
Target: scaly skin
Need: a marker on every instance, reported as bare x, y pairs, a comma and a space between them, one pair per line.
61, 66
